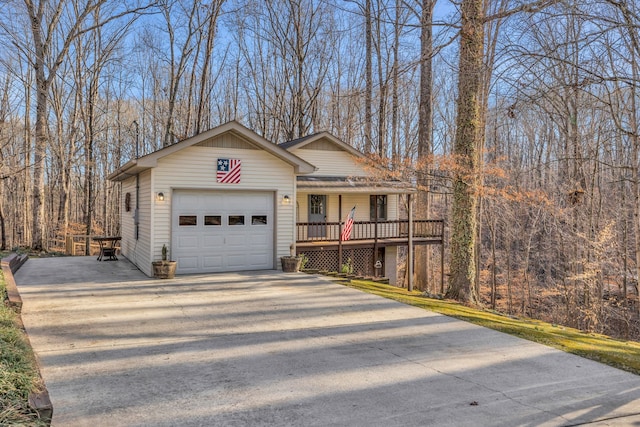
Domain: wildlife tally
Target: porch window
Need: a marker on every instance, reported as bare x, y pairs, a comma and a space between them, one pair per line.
378, 207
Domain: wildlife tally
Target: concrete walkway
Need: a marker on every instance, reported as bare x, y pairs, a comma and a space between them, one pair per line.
268, 348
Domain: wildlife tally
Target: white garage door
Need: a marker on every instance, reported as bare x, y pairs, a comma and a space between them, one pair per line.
216, 231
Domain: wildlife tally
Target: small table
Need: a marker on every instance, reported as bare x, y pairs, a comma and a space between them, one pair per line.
107, 247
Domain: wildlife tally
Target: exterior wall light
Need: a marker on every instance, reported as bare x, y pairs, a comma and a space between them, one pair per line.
160, 197
286, 200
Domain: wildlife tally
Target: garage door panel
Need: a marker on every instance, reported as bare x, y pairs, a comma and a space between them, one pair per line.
215, 244
187, 199
212, 242
259, 260
236, 240
236, 261
260, 239
187, 242
187, 262
213, 262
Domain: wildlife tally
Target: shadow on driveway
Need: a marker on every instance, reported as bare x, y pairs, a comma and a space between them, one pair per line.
269, 348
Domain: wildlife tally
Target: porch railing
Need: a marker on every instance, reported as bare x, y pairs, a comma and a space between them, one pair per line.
369, 230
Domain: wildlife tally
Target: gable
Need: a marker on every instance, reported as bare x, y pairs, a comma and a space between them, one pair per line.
332, 162
229, 141
231, 135
322, 145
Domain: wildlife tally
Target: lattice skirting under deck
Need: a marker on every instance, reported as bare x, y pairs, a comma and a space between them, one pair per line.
360, 259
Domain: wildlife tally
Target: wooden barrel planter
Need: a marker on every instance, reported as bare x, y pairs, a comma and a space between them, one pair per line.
164, 269
290, 264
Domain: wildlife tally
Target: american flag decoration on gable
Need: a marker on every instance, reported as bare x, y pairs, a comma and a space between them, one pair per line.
228, 171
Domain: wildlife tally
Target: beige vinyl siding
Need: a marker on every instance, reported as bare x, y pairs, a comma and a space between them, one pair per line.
127, 226
391, 264
195, 168
360, 201
227, 140
393, 207
143, 250
137, 251
332, 163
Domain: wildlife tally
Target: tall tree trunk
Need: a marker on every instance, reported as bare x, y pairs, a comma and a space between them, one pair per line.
425, 135
368, 115
39, 154
40, 142
468, 134
212, 19
382, 93
27, 179
90, 162
395, 83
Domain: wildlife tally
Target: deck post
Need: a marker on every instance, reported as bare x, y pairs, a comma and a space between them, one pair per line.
410, 244
339, 232
442, 258
375, 241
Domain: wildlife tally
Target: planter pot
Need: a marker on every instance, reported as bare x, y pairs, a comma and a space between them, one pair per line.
291, 264
164, 269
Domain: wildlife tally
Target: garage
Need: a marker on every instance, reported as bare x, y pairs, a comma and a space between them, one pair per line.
215, 231
222, 200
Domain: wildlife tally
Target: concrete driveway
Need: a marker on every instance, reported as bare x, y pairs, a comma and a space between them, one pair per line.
268, 348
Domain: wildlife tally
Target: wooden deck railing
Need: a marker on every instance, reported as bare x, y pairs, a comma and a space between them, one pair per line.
369, 230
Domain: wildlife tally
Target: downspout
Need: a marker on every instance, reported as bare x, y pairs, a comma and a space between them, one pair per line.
410, 245
136, 219
339, 232
442, 257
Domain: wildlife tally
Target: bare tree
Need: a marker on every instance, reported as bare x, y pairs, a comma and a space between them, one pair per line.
54, 27
469, 138
425, 130
468, 134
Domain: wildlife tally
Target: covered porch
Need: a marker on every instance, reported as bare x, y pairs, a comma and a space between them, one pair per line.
384, 232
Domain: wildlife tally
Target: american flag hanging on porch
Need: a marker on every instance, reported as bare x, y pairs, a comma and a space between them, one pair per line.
348, 226
228, 171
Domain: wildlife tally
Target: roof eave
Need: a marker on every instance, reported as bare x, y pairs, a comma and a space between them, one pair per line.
311, 138
134, 167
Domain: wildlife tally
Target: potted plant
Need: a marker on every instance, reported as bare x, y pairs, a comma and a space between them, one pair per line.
291, 263
164, 269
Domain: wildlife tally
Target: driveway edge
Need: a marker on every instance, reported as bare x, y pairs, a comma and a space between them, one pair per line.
39, 401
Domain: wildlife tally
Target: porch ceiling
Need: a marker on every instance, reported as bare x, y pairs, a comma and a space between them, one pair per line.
340, 184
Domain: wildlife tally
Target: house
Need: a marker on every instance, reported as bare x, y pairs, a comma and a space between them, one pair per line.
229, 200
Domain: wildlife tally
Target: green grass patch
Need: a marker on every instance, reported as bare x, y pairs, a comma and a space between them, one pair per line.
18, 370
620, 354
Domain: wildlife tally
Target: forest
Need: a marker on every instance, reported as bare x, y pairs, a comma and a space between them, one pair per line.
516, 119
